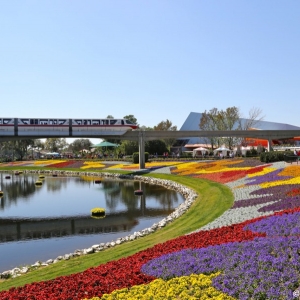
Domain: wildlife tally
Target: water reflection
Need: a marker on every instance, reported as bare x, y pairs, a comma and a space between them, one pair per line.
59, 210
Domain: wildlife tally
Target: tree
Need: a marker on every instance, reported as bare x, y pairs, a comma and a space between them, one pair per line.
38, 144
16, 149
128, 147
156, 146
254, 116
56, 144
132, 119
208, 122
80, 144
229, 119
166, 125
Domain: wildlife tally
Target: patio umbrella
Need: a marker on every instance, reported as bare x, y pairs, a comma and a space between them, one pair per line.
105, 144
224, 150
202, 149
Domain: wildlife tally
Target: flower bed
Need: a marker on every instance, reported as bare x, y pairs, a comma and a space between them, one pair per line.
250, 252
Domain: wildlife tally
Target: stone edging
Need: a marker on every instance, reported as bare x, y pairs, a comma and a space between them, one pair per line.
189, 195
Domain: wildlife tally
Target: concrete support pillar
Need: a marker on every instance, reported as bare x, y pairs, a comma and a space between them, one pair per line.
141, 150
269, 144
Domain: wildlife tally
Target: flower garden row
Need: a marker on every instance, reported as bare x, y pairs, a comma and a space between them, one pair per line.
251, 252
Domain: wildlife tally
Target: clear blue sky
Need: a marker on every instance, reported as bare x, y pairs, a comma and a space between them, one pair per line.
154, 59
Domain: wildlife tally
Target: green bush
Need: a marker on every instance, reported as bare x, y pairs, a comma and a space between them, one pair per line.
251, 153
136, 157
273, 156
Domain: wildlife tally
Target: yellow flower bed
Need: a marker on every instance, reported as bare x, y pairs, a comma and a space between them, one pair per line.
162, 163
186, 165
295, 180
92, 164
147, 165
219, 165
210, 171
262, 172
208, 167
118, 166
290, 171
182, 288
48, 162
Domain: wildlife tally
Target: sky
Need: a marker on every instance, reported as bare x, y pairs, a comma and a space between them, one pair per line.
156, 60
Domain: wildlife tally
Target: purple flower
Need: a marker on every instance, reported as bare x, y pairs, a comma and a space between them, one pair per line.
269, 177
265, 268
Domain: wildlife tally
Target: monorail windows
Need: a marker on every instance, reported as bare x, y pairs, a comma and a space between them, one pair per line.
78, 122
52, 122
86, 122
96, 122
122, 122
33, 121
43, 122
61, 122
112, 122
24, 121
129, 122
7, 121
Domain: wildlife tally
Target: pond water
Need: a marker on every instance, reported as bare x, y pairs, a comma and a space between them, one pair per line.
42, 222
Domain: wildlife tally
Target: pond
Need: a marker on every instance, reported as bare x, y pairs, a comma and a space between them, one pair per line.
41, 222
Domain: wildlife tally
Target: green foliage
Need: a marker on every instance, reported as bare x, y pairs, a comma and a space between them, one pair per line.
136, 157
252, 152
131, 118
55, 144
156, 146
80, 144
166, 125
128, 147
273, 156
187, 155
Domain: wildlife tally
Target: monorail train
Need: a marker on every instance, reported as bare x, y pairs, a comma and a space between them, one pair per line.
63, 127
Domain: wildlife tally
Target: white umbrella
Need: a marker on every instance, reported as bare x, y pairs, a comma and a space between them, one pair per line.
224, 150
202, 149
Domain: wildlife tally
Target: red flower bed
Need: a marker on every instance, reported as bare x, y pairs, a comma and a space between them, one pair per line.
228, 176
294, 192
124, 272
67, 164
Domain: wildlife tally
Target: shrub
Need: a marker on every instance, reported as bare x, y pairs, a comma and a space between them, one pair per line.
273, 156
136, 157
